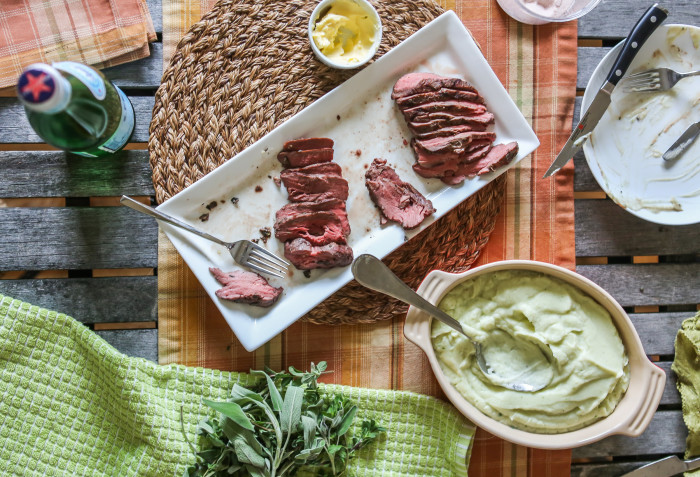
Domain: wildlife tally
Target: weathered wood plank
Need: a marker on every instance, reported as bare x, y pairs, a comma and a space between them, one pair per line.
155, 9
58, 174
583, 177
665, 435
605, 229
134, 343
658, 330
671, 396
144, 74
648, 284
588, 59
76, 238
91, 300
614, 469
15, 128
615, 18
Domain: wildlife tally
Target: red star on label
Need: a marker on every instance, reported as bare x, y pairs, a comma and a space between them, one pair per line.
35, 85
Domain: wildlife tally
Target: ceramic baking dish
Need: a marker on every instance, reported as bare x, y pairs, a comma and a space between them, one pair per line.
632, 414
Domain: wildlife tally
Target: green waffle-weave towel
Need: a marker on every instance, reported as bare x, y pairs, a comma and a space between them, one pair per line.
686, 365
71, 404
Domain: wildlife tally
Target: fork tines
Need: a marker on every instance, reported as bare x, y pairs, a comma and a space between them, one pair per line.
263, 261
644, 81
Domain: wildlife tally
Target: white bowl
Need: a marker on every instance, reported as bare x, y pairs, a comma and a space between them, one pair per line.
632, 414
533, 14
321, 8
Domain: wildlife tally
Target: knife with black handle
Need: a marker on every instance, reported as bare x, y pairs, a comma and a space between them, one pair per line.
646, 25
665, 468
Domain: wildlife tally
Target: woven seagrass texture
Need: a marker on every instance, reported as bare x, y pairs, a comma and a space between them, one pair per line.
244, 69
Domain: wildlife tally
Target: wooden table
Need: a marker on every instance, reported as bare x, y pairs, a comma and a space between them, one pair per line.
67, 245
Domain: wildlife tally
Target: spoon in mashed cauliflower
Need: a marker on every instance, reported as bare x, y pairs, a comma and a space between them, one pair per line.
504, 359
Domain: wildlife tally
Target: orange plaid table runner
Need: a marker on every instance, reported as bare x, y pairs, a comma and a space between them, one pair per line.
101, 33
538, 67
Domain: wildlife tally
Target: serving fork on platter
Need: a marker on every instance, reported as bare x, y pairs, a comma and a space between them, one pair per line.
243, 252
658, 79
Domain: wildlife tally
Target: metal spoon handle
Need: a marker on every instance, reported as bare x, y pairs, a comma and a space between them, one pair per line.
370, 272
139, 207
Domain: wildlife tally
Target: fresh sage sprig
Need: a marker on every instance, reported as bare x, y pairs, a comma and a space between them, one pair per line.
283, 425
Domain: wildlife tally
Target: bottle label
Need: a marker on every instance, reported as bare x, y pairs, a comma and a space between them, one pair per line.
125, 128
88, 76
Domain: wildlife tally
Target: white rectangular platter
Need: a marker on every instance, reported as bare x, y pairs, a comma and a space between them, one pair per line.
361, 118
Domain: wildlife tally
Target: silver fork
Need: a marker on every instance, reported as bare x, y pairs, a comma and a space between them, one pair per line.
659, 79
243, 252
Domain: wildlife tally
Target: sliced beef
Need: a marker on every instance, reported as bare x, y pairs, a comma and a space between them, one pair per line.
432, 122
498, 156
305, 158
328, 168
452, 131
415, 83
432, 159
335, 206
245, 287
463, 108
317, 227
306, 256
306, 144
313, 187
397, 200
444, 94
456, 144
450, 167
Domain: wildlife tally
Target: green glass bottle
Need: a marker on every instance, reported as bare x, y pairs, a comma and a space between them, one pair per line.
75, 108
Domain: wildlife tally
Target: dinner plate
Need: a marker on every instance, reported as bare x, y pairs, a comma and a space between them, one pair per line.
624, 152
239, 199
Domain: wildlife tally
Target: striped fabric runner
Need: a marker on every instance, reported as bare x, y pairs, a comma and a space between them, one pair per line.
538, 67
101, 33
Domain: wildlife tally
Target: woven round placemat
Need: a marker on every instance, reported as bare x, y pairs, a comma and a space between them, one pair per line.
245, 68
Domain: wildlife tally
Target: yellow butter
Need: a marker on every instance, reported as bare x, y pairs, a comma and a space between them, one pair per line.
346, 33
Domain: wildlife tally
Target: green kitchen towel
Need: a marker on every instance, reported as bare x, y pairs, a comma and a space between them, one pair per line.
70, 404
686, 365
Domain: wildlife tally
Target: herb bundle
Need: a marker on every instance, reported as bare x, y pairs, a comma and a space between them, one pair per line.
281, 426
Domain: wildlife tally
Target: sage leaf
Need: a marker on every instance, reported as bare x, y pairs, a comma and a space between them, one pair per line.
240, 395
234, 431
347, 420
275, 395
332, 449
255, 472
309, 426
246, 454
291, 408
232, 411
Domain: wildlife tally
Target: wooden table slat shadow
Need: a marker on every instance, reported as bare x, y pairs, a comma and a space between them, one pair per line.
67, 245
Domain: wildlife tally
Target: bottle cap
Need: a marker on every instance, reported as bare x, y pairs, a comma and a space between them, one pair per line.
42, 88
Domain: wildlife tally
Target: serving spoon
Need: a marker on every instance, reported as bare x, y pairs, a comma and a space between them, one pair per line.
523, 366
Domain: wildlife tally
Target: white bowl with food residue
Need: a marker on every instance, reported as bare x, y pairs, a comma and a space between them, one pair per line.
603, 382
345, 34
624, 151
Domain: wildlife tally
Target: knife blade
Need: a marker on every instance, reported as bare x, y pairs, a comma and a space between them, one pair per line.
683, 142
665, 467
641, 31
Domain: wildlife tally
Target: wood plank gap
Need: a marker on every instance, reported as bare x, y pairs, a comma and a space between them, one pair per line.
592, 194
591, 260
114, 201
21, 274
592, 42
141, 146
33, 202
579, 92
123, 272
646, 259
646, 309
133, 325
27, 147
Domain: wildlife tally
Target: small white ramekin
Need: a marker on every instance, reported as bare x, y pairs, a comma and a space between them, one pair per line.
322, 8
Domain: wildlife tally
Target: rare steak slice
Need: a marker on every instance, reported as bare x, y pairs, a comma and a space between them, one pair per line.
245, 287
432, 159
330, 168
305, 158
414, 83
313, 187
498, 156
317, 227
306, 256
451, 166
452, 131
333, 205
440, 119
464, 108
306, 144
455, 144
440, 95
397, 200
